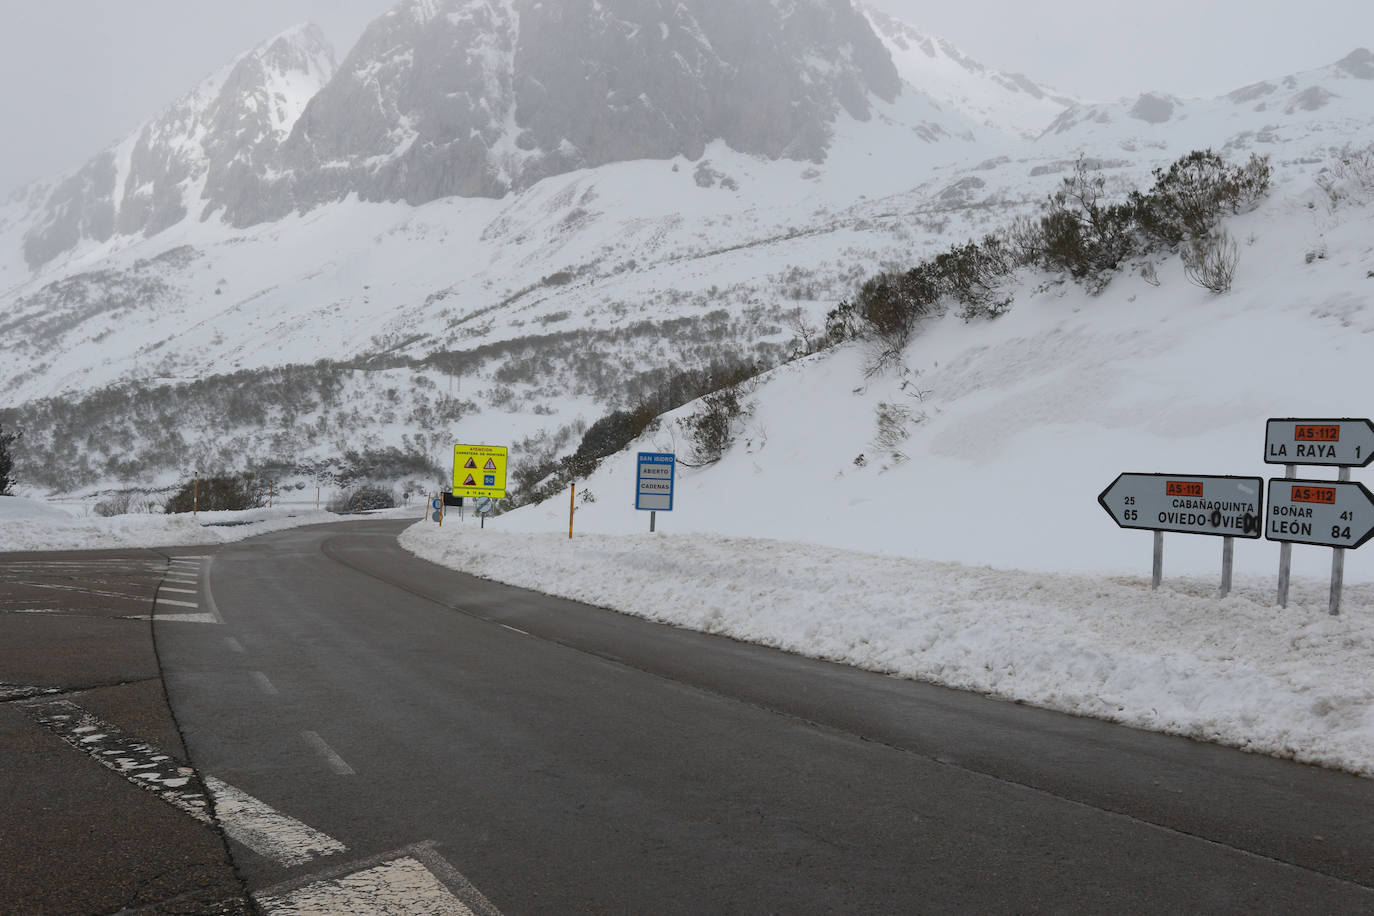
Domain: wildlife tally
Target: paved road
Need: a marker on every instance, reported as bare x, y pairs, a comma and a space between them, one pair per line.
87, 821
492, 750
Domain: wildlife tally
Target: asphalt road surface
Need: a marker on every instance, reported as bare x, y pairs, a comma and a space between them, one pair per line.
374, 728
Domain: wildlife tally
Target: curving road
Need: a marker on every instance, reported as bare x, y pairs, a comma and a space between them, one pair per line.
380, 726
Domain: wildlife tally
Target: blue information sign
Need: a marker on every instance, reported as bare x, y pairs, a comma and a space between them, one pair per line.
654, 482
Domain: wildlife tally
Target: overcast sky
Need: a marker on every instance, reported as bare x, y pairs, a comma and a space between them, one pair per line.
78, 75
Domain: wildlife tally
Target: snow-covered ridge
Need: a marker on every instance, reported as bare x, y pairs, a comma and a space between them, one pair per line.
1010, 102
161, 174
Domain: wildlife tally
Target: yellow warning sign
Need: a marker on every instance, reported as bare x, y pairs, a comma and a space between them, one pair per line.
489, 481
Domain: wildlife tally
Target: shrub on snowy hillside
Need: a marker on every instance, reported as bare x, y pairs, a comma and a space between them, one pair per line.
1081, 231
219, 494
7, 461
1190, 198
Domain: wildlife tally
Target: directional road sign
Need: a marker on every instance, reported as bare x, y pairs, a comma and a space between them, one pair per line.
479, 470
1328, 513
1186, 503
1339, 443
654, 482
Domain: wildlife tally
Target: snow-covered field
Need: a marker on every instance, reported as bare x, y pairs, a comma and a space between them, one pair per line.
28, 524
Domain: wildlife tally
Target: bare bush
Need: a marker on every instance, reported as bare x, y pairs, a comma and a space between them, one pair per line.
1210, 261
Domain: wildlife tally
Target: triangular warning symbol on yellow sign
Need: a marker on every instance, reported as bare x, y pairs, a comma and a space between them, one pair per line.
491, 465
472, 463
470, 482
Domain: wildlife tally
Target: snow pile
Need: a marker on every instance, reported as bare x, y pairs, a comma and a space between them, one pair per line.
1238, 671
27, 524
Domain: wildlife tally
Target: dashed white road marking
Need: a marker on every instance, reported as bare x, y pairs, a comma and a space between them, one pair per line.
179, 591
515, 630
175, 603
335, 762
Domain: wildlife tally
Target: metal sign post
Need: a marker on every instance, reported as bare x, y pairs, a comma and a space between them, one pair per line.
1286, 551
1222, 506
1228, 557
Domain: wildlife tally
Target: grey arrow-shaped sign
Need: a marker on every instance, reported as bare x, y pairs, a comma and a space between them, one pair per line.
1187, 503
1327, 513
1334, 443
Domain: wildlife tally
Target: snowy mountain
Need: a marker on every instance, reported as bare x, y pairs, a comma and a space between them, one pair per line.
196, 151
994, 98
349, 278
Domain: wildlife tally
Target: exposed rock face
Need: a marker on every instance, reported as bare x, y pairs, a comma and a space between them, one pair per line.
1153, 108
481, 97
203, 145
1358, 63
478, 98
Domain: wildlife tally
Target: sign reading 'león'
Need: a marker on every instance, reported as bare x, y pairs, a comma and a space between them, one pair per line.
1327, 513
1186, 503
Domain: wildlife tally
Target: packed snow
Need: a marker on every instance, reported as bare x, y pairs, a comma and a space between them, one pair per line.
29, 524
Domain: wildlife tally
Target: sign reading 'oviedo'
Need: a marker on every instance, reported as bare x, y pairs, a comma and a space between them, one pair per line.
1187, 503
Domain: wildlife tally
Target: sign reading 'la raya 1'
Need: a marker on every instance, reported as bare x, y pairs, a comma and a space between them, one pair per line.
1335, 443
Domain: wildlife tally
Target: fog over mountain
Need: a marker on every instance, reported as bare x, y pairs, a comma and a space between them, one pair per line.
478, 98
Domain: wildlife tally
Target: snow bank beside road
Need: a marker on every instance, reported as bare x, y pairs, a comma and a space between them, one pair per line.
1237, 671
27, 524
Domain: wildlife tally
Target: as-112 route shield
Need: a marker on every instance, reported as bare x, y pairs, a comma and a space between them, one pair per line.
1222, 506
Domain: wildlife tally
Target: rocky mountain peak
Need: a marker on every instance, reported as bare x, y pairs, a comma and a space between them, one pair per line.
194, 149
481, 97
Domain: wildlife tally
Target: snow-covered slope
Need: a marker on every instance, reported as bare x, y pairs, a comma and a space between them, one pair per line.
991, 440
934, 66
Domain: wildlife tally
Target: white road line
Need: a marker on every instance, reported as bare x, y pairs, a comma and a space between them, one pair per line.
206, 596
234, 644
19, 691
266, 830
178, 618
514, 630
176, 603
394, 888
389, 883
264, 683
180, 591
253, 823
139, 762
180, 581
336, 763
